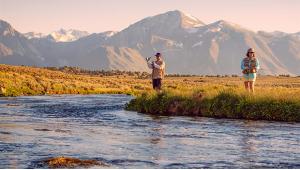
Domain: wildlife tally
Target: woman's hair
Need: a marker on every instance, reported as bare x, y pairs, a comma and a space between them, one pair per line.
248, 54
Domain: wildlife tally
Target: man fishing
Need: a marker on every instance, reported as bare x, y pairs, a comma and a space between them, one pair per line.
158, 71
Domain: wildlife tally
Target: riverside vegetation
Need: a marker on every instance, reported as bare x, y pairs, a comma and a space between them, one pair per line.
276, 97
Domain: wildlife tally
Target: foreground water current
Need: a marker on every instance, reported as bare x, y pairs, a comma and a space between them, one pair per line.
36, 128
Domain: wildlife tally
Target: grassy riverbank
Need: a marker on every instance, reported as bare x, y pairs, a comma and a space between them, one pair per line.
267, 104
276, 98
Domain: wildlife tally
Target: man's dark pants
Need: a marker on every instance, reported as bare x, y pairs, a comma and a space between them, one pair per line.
156, 83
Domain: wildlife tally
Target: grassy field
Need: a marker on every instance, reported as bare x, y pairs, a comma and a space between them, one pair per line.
22, 80
275, 98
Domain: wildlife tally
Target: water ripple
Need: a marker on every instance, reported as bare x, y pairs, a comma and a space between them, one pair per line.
36, 128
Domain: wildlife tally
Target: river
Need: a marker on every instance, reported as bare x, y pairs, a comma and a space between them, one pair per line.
35, 128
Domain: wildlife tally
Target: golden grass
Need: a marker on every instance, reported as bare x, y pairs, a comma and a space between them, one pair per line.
22, 80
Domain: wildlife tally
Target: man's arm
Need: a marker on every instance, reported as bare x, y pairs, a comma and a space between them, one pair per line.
162, 66
150, 65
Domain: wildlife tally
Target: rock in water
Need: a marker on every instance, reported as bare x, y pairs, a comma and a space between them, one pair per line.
67, 162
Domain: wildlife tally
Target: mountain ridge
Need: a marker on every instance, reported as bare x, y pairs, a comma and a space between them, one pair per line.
188, 45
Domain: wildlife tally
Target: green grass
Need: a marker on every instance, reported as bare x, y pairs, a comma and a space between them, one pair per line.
229, 103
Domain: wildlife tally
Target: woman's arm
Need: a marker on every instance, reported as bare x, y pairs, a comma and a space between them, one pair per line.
242, 65
257, 64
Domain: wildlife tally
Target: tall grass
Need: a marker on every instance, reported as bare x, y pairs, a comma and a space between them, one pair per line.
21, 80
269, 104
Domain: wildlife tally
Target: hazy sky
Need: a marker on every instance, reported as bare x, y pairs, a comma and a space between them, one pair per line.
102, 15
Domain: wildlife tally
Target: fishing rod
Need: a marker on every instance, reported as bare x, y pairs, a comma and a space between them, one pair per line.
148, 58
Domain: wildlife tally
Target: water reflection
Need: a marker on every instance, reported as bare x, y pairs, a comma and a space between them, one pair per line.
33, 129
247, 142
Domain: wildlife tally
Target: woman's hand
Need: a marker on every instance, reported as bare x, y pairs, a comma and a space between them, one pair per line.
253, 70
246, 71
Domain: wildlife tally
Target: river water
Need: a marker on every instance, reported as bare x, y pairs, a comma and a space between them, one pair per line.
36, 128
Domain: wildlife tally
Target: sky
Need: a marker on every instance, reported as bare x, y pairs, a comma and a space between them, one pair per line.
97, 16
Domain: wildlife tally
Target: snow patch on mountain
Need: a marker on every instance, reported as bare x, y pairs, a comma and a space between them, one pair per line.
31, 35
6, 29
108, 34
63, 35
189, 21
111, 33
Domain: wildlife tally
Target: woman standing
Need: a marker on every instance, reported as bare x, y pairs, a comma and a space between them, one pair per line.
250, 66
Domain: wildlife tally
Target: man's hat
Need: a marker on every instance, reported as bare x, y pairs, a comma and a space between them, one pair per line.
250, 50
157, 54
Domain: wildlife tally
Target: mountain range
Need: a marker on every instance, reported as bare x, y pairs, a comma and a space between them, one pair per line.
61, 35
188, 45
